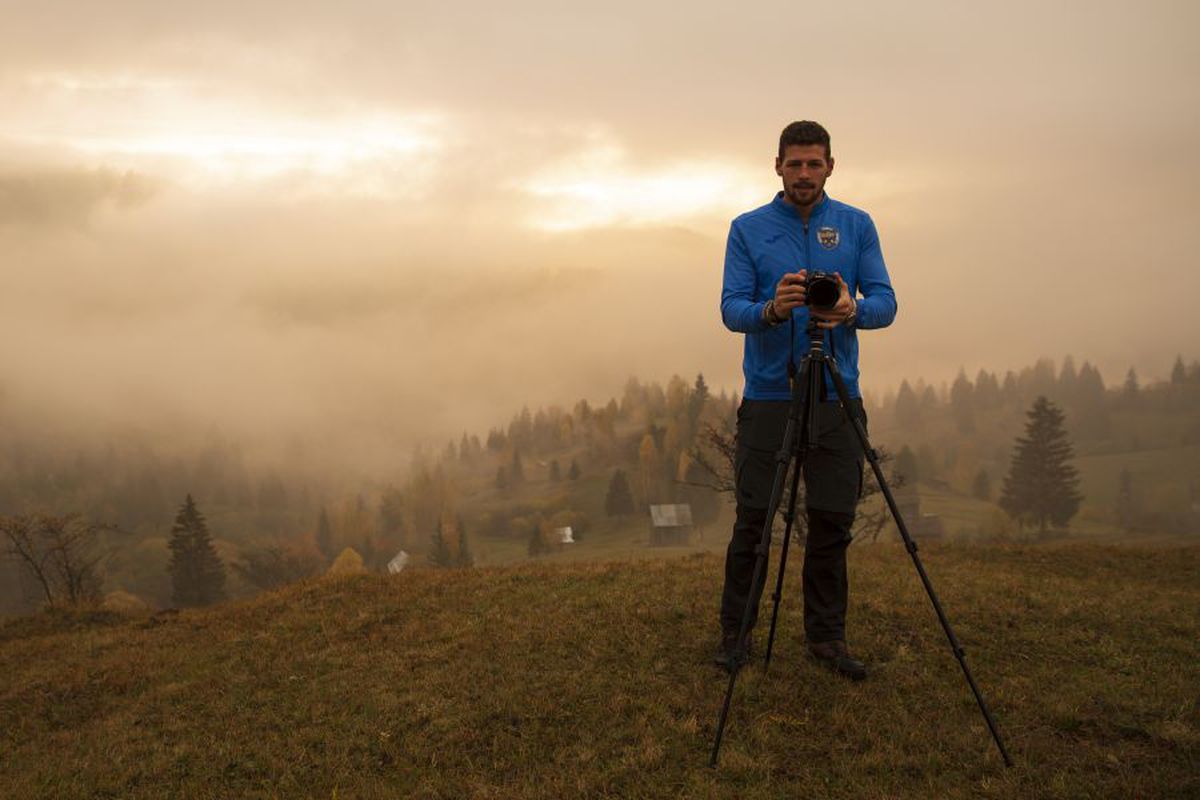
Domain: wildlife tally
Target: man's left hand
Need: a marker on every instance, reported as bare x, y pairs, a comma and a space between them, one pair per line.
841, 310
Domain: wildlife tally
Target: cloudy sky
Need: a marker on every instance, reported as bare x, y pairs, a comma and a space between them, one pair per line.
384, 221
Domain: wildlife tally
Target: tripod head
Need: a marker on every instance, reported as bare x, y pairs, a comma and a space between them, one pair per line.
816, 338
816, 346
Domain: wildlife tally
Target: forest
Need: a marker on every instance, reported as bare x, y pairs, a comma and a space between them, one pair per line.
499, 495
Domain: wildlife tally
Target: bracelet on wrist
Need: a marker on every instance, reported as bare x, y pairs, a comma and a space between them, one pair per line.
769, 315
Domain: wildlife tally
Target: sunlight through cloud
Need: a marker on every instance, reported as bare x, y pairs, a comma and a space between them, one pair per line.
611, 192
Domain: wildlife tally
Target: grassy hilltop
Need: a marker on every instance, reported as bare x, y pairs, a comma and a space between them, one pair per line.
592, 680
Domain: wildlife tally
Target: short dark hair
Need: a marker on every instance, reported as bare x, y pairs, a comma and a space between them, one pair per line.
804, 133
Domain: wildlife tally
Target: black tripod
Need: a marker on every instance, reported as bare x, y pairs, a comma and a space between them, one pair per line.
799, 435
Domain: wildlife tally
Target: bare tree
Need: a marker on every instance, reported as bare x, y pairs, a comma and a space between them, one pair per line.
713, 454
60, 554
716, 450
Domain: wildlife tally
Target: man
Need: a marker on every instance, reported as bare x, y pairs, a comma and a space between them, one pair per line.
769, 254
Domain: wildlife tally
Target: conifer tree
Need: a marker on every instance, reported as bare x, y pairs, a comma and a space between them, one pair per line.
962, 403
555, 471
1042, 487
573, 473
197, 574
439, 551
1178, 373
696, 401
906, 466
463, 557
907, 410
391, 516
1131, 387
619, 500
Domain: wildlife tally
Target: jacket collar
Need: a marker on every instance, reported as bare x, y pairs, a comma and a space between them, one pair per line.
787, 208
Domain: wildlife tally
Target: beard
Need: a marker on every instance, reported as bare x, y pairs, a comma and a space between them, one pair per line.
804, 194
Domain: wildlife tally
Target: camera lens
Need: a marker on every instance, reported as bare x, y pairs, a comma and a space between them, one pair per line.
823, 292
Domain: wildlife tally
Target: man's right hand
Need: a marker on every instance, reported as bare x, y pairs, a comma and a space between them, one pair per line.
789, 293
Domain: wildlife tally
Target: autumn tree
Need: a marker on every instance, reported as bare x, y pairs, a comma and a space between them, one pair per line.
1042, 488
60, 554
649, 468
197, 574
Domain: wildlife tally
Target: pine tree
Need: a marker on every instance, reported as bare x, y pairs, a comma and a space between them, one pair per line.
962, 403
439, 551
463, 557
619, 500
573, 473
1178, 373
555, 471
197, 574
1131, 388
907, 410
1042, 487
696, 401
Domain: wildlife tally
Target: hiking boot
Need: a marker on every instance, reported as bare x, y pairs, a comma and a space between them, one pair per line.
836, 656
725, 650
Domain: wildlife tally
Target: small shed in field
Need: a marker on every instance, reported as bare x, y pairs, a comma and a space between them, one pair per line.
398, 563
670, 524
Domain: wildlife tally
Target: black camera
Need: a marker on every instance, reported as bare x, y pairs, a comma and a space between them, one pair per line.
821, 291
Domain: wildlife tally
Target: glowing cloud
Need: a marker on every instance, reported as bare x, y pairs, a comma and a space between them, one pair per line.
182, 130
600, 188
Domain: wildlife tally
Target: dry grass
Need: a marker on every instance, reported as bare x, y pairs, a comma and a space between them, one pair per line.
594, 681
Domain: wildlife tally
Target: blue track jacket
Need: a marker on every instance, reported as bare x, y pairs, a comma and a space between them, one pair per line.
772, 240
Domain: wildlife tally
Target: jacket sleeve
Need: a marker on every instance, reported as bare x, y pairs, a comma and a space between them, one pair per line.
877, 309
739, 310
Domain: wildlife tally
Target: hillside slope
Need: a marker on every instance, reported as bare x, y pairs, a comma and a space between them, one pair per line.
594, 681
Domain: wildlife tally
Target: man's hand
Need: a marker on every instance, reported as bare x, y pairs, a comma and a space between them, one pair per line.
841, 310
789, 293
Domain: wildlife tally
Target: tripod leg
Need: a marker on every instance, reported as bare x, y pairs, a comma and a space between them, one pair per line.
911, 547
759, 577
806, 422
789, 517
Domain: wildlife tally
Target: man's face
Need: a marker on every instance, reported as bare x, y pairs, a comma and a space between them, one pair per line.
804, 169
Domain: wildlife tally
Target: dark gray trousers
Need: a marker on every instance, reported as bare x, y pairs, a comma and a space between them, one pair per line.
833, 483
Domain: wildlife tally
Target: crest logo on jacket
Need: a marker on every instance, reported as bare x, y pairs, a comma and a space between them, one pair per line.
828, 237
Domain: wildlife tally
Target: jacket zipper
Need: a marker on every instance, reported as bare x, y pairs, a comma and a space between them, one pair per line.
808, 266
